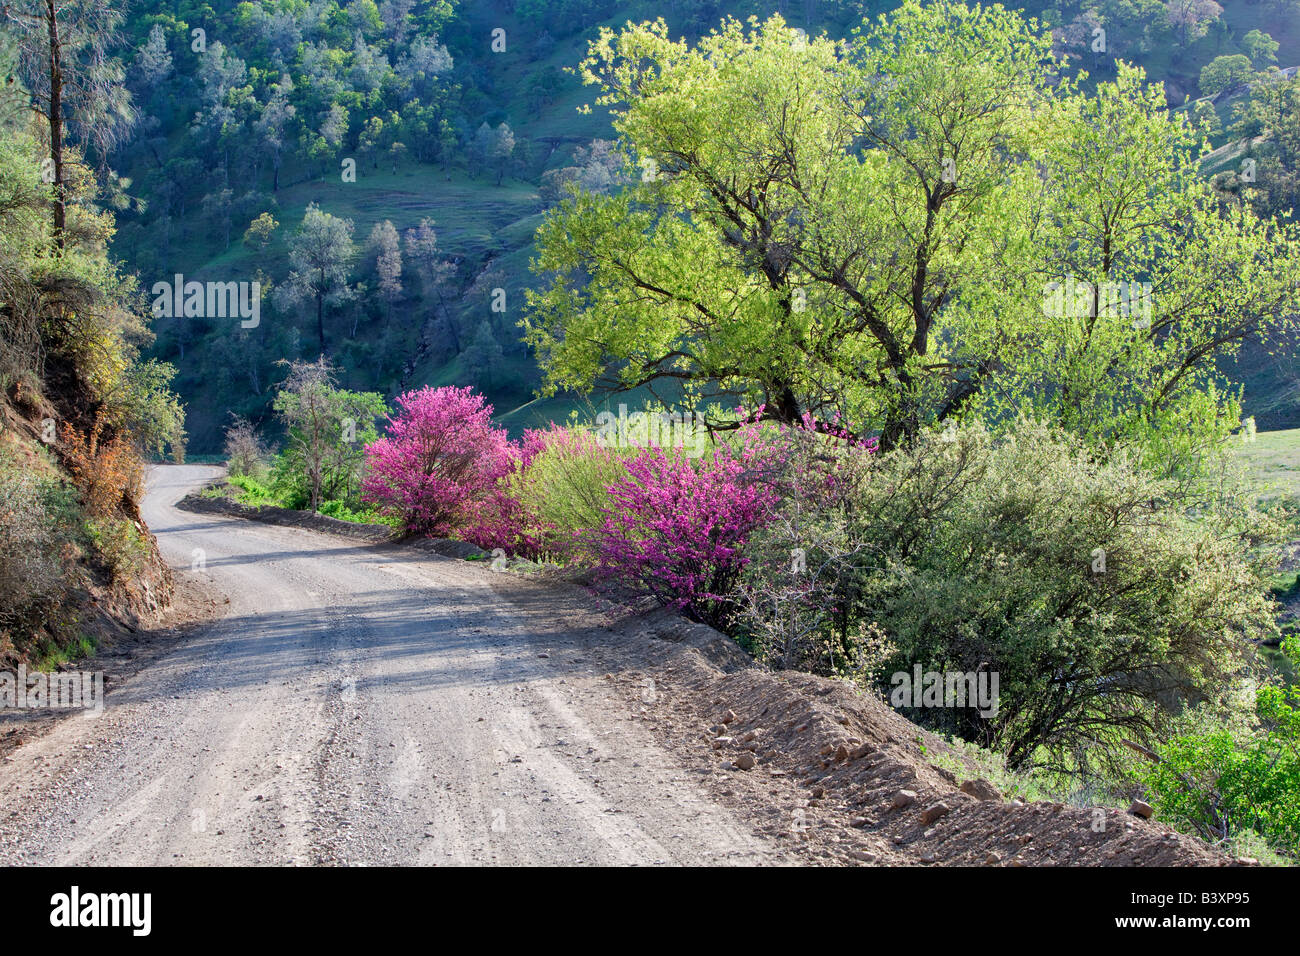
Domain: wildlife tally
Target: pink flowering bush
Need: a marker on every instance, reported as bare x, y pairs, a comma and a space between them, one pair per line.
441, 467
677, 529
668, 524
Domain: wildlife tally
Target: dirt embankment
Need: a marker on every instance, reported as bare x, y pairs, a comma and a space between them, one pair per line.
106, 604
835, 771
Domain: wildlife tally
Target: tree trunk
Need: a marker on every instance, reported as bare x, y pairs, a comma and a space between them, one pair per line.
56, 122
899, 430
320, 313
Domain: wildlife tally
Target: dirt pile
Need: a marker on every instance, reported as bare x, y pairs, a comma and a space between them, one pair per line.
864, 769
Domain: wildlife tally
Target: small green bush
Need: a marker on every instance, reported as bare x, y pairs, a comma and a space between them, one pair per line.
252, 491
121, 546
563, 490
1223, 784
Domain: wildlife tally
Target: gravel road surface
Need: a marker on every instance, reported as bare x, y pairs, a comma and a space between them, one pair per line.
358, 704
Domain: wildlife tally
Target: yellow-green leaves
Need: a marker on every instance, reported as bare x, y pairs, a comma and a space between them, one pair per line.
882, 225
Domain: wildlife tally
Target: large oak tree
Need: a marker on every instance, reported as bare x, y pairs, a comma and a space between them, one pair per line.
875, 228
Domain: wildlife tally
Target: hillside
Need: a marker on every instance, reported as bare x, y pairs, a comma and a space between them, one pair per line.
78, 408
197, 200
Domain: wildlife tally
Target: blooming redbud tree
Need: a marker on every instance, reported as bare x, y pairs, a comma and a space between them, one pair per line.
676, 529
440, 466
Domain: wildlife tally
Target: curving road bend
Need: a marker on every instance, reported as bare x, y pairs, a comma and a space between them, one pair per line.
361, 705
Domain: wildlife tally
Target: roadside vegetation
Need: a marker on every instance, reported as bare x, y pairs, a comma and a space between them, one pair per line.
79, 405
944, 318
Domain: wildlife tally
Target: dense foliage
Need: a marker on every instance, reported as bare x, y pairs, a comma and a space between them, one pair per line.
217, 120
563, 489
677, 528
1224, 783
1085, 584
79, 407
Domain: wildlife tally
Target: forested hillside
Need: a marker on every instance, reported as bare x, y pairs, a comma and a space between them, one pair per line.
431, 136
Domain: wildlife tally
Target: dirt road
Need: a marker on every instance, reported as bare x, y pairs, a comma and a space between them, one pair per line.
358, 704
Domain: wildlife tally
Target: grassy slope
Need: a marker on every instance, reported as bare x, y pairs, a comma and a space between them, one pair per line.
1274, 459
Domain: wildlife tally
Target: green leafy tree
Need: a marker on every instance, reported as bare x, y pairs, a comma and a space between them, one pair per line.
386, 246
1191, 19
1225, 72
327, 430
321, 253
1207, 118
483, 359
260, 231
1129, 24
422, 249
494, 147
1261, 48
273, 123
1272, 112
76, 85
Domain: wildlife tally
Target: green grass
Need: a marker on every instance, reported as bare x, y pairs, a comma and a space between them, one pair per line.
254, 493
48, 655
469, 215
251, 491
1274, 460
967, 760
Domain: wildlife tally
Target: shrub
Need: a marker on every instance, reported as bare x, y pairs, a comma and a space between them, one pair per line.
792, 612
107, 472
1225, 72
244, 449
676, 529
252, 491
439, 468
123, 549
37, 528
1085, 584
562, 488
1224, 785
286, 484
